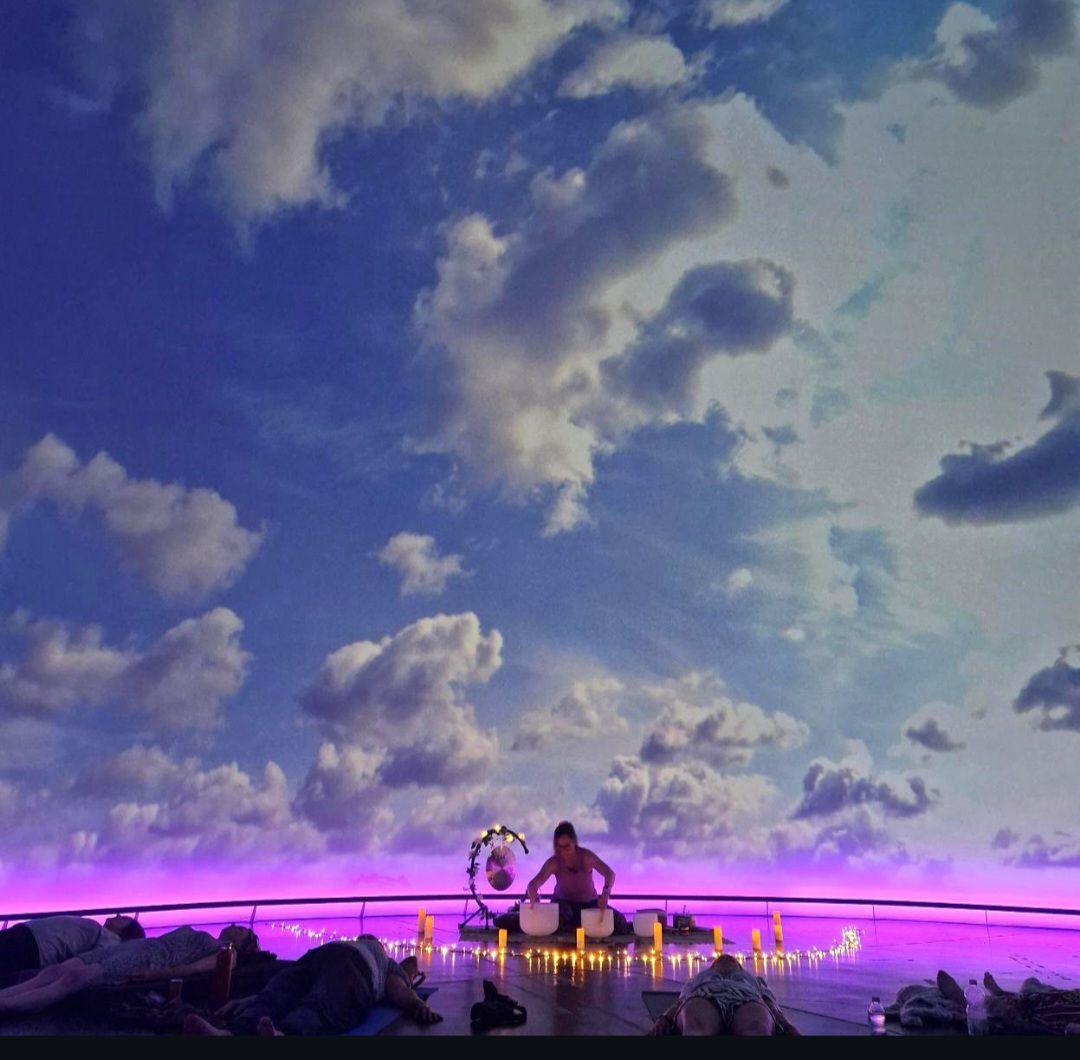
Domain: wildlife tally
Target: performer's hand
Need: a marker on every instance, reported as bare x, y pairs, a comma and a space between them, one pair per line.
602, 902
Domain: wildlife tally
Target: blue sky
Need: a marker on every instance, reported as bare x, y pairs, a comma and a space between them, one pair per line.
660, 415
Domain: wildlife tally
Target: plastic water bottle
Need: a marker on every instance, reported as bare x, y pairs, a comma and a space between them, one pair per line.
875, 1015
977, 1020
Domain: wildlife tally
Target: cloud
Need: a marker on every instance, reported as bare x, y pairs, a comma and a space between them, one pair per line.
246, 95
1054, 690
726, 307
341, 790
185, 543
682, 809
857, 837
829, 787
401, 698
179, 682
738, 581
631, 61
729, 13
990, 66
521, 318
990, 484
1005, 838
1037, 853
416, 557
929, 733
697, 721
589, 711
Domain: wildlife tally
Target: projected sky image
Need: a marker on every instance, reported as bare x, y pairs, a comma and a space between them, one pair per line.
664, 416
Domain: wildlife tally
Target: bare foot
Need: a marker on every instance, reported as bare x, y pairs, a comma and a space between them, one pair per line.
265, 1028
991, 984
950, 988
197, 1025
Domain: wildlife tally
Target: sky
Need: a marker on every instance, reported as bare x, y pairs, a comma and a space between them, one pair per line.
664, 416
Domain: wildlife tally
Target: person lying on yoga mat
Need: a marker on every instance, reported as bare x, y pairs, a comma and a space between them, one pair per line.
328, 991
724, 999
173, 955
1038, 1008
36, 944
573, 867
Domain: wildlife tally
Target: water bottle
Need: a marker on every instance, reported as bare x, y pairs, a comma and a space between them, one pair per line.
875, 1015
977, 1020
221, 984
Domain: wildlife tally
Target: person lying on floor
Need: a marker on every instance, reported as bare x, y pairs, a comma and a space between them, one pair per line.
328, 991
724, 999
36, 944
1038, 1008
173, 955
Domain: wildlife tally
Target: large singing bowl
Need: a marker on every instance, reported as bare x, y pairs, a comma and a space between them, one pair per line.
597, 924
539, 919
644, 920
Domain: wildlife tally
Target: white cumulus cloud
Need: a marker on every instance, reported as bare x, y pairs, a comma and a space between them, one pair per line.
416, 558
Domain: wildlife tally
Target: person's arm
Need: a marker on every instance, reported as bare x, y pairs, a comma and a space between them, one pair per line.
402, 996
608, 873
207, 964
782, 1022
546, 870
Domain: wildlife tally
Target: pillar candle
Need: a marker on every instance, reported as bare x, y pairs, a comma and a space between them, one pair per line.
420, 921
778, 929
755, 940
718, 939
502, 938
581, 939
429, 928
658, 936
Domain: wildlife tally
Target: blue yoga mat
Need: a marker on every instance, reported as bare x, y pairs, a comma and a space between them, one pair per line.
383, 1015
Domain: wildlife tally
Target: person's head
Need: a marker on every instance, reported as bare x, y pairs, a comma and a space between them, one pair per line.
726, 963
565, 841
125, 928
243, 939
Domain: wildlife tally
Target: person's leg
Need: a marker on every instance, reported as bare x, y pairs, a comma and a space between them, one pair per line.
752, 1019
44, 989
699, 1017
280, 995
18, 953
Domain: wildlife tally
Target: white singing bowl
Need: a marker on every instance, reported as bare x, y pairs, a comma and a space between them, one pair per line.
539, 919
644, 920
597, 924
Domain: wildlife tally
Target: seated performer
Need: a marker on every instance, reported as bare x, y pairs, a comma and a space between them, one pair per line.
724, 999
573, 867
328, 991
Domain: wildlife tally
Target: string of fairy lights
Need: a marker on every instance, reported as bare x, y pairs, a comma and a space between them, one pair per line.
550, 958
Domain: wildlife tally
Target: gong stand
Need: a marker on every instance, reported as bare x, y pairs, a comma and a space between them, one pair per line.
487, 839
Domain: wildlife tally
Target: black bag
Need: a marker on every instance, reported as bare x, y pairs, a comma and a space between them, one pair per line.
496, 1010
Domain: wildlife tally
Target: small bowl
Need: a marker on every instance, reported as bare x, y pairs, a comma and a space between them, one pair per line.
644, 920
597, 924
539, 919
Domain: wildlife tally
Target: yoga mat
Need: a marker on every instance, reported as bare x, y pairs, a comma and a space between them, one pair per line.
383, 1015
809, 1023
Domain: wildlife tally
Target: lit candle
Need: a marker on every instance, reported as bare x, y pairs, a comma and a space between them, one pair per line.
429, 928
657, 936
502, 938
420, 921
717, 940
755, 940
581, 939
778, 931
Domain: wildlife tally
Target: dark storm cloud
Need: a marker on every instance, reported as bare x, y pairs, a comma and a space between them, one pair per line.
987, 486
726, 307
1055, 690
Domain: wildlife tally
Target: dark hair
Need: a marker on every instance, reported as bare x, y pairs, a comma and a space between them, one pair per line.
132, 930
564, 828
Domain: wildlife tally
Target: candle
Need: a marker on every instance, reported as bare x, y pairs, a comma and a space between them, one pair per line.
755, 940
420, 921
429, 928
658, 936
502, 938
717, 940
778, 930
581, 939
